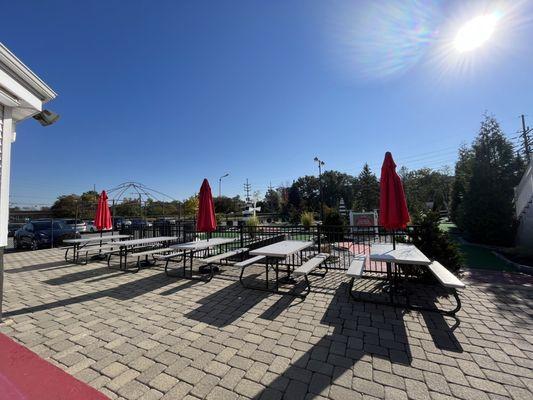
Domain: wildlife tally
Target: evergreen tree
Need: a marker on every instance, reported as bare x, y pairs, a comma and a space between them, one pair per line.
272, 201
488, 199
463, 173
367, 195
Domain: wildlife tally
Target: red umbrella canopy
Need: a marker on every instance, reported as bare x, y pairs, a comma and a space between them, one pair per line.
206, 221
102, 219
393, 212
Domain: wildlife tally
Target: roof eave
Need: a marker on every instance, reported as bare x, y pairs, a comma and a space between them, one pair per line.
22, 72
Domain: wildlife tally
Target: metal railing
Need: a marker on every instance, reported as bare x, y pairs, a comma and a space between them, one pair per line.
343, 243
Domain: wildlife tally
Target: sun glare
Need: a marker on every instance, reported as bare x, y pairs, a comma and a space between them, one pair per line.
475, 32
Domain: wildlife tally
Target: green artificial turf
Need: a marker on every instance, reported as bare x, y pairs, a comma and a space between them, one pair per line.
476, 256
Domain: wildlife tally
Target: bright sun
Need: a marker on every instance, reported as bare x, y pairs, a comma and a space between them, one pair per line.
475, 32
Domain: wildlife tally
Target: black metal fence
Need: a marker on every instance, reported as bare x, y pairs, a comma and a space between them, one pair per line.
343, 243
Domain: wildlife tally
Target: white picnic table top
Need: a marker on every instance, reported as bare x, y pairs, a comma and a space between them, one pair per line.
135, 242
281, 249
202, 244
105, 239
404, 253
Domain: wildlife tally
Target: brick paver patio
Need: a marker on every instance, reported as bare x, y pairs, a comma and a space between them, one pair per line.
147, 336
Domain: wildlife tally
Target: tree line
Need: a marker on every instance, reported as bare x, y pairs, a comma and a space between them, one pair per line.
478, 196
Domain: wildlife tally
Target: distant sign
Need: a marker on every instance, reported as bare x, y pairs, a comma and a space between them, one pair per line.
363, 219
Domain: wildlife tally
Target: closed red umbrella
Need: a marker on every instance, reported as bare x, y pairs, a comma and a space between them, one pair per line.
206, 220
102, 219
393, 213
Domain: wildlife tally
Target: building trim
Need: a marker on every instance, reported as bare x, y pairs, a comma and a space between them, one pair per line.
25, 76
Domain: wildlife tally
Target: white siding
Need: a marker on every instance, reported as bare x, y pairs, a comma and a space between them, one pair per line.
5, 158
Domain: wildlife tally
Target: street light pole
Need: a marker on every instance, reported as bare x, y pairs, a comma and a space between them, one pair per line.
220, 184
320, 165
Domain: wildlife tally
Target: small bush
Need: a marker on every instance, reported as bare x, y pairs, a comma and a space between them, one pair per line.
252, 223
435, 244
333, 225
307, 219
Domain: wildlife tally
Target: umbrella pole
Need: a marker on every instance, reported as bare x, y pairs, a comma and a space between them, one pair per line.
393, 239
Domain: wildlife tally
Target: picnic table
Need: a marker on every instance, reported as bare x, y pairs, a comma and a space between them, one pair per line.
77, 244
402, 253
280, 251
126, 247
188, 249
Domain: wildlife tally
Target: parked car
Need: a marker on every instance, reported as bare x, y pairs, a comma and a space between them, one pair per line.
41, 233
11, 228
164, 221
164, 225
78, 225
119, 222
91, 227
140, 223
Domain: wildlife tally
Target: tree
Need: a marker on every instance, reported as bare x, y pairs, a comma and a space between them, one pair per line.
367, 193
272, 201
308, 192
338, 185
426, 189
127, 208
65, 206
463, 173
190, 206
335, 186
224, 205
434, 243
488, 199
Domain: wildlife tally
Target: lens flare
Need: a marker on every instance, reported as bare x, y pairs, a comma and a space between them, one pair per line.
475, 32
382, 39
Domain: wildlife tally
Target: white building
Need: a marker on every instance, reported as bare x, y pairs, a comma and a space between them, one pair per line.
524, 208
22, 95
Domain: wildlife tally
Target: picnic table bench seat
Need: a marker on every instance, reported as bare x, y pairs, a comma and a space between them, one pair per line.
310, 265
450, 282
245, 263
219, 257
445, 277
104, 250
356, 268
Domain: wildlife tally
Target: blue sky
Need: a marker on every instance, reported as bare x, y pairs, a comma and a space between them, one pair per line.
171, 92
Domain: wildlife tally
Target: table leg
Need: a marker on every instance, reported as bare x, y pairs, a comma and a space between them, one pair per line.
190, 265
277, 275
391, 283
266, 266
184, 263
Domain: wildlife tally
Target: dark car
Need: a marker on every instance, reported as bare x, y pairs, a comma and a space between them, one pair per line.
38, 234
121, 223
12, 228
140, 223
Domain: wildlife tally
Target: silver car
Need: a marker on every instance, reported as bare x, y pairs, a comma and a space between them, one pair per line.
77, 225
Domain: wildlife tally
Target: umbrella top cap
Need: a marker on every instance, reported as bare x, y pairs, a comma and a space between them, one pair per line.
104, 195
388, 162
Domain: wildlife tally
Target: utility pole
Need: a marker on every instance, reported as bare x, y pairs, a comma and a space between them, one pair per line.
525, 133
320, 165
247, 189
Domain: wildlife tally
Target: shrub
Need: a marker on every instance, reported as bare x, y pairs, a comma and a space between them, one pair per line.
333, 225
434, 243
252, 223
307, 219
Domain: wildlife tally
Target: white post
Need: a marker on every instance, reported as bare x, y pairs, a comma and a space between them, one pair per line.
6, 137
